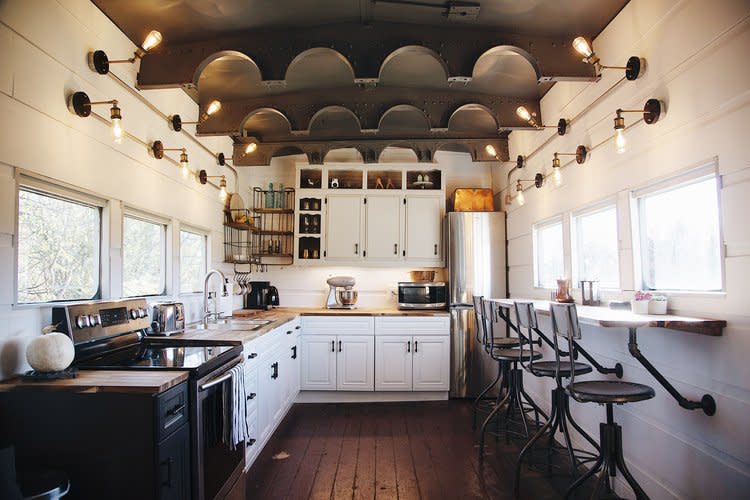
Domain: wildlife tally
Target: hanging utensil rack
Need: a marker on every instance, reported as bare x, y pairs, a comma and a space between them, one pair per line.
241, 236
275, 211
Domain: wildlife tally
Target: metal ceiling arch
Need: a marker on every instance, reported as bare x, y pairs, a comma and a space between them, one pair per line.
318, 67
414, 63
404, 118
506, 70
510, 48
345, 154
399, 152
217, 55
264, 123
457, 147
287, 151
475, 118
334, 121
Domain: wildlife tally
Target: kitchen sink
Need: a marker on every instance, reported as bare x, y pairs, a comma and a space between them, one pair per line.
259, 322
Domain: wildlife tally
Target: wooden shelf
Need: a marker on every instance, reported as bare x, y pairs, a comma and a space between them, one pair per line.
273, 210
241, 227
277, 233
279, 255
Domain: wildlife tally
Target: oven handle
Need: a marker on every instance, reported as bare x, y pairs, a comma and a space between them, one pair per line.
218, 380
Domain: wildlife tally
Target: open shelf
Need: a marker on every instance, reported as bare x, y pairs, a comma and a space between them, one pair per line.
384, 179
310, 178
424, 179
345, 179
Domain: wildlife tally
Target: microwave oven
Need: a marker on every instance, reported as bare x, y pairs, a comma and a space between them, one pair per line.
422, 295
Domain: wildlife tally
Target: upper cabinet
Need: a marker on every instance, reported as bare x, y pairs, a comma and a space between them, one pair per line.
370, 216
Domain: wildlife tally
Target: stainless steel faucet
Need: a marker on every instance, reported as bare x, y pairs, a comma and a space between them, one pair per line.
224, 292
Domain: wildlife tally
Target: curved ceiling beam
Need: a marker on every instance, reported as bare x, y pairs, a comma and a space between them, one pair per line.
366, 49
217, 55
266, 113
404, 118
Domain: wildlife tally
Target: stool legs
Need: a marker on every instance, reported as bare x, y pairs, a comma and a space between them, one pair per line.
479, 399
558, 422
609, 461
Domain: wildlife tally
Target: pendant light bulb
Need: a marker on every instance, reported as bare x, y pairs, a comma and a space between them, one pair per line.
250, 148
581, 45
523, 113
490, 149
556, 170
152, 40
213, 107
519, 194
184, 165
620, 141
116, 116
223, 189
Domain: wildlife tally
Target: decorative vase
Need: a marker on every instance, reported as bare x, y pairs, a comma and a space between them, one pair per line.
563, 291
657, 307
640, 306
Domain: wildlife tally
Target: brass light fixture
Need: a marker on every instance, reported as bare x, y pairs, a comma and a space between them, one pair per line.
632, 67
538, 181
251, 148
651, 113
490, 150
158, 149
99, 62
80, 104
523, 113
580, 154
213, 107
203, 179
221, 159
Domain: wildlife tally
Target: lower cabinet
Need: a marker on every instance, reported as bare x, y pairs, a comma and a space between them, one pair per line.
174, 465
337, 362
412, 363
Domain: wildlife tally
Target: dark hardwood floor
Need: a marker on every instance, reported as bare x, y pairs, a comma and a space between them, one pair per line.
390, 450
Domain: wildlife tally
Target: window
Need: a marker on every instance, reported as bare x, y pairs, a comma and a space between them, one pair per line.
680, 242
595, 246
59, 248
548, 254
144, 250
192, 261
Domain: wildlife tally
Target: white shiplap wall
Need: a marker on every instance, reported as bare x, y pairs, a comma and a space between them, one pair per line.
697, 65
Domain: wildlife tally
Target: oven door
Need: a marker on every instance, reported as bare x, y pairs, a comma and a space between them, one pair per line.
215, 465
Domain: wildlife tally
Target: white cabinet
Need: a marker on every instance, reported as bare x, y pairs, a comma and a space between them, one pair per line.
355, 363
393, 363
343, 227
384, 227
318, 363
431, 363
424, 223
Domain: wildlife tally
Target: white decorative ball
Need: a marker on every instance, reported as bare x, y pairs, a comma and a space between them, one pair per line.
51, 352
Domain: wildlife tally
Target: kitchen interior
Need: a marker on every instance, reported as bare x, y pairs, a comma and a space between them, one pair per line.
374, 249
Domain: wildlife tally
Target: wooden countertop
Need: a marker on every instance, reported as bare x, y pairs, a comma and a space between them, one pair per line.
322, 311
238, 332
606, 317
93, 381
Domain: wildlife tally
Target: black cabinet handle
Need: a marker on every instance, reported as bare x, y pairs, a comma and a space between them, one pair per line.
356, 249
416, 346
252, 355
177, 409
395, 249
294, 352
251, 441
298, 327
339, 346
275, 373
333, 346
435, 248
289, 332
168, 461
408, 346
251, 396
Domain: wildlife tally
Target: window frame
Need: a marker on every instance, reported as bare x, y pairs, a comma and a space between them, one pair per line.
703, 171
592, 209
557, 219
144, 216
37, 184
206, 257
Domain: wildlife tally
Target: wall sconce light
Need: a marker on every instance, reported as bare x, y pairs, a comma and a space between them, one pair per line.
490, 150
176, 122
203, 179
582, 46
251, 148
538, 181
99, 62
80, 104
523, 113
580, 154
158, 149
221, 159
651, 113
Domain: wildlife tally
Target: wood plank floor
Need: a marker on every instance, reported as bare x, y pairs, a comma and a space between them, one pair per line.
390, 451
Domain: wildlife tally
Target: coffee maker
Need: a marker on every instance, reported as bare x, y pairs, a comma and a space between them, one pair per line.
262, 295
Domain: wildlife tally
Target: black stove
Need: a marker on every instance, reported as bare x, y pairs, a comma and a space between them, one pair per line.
168, 355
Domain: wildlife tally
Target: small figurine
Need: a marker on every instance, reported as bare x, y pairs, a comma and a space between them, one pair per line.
379, 183
389, 184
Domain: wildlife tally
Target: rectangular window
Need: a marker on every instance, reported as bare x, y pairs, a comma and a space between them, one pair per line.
548, 254
59, 248
680, 237
192, 261
595, 247
144, 256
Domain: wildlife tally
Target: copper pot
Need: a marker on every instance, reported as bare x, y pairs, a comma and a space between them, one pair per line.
422, 275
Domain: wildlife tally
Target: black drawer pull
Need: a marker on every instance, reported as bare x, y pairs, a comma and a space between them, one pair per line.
289, 332
252, 355
294, 352
339, 346
333, 346
297, 327
408, 346
275, 373
251, 396
416, 346
251, 441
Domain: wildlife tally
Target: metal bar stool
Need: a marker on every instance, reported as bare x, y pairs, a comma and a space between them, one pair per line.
605, 392
516, 399
560, 411
480, 403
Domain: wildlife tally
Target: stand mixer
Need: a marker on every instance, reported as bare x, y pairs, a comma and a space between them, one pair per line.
341, 295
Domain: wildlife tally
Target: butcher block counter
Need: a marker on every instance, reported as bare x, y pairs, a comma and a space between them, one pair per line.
322, 311
92, 381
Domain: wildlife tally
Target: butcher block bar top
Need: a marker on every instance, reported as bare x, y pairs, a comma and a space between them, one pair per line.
92, 381
321, 311
606, 317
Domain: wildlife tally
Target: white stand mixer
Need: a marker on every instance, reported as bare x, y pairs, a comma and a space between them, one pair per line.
341, 295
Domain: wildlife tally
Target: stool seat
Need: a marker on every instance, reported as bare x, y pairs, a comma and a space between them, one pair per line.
610, 391
515, 354
547, 369
503, 342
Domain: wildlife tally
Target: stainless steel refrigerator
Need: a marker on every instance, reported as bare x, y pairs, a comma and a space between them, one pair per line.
476, 266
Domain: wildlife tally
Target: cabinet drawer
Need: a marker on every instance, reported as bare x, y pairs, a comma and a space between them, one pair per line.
172, 410
335, 325
404, 325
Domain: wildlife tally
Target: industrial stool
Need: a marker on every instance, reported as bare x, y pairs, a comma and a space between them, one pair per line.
516, 397
606, 392
560, 411
480, 403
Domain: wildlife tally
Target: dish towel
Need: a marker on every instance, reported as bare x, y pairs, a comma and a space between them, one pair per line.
235, 411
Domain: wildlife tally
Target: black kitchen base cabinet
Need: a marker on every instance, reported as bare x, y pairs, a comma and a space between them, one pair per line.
114, 446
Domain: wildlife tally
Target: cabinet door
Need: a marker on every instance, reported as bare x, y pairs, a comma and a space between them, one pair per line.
269, 393
355, 363
318, 362
174, 465
384, 226
393, 363
431, 363
290, 362
343, 225
424, 222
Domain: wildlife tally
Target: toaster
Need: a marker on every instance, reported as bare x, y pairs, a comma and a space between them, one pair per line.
167, 318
